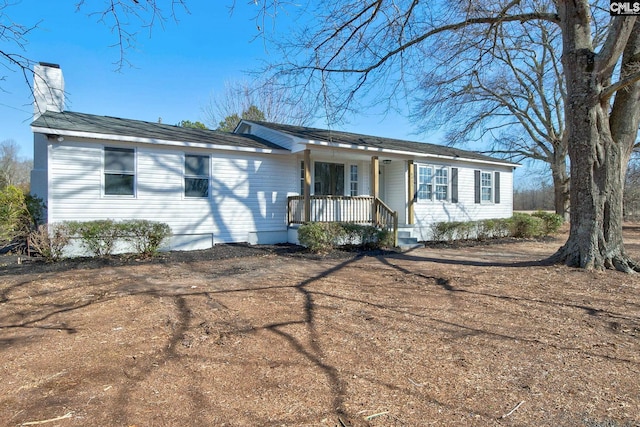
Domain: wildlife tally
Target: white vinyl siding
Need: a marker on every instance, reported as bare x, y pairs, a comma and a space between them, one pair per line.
396, 187
465, 208
248, 193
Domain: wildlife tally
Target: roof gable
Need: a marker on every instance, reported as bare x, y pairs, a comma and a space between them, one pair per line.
113, 126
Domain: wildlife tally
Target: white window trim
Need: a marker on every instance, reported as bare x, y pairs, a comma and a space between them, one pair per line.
184, 176
491, 187
357, 180
103, 172
433, 168
301, 173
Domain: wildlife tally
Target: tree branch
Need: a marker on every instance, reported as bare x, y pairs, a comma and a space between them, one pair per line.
551, 17
613, 46
621, 84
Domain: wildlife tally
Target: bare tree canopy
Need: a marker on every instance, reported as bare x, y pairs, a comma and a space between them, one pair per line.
512, 96
382, 51
14, 170
123, 18
240, 98
385, 49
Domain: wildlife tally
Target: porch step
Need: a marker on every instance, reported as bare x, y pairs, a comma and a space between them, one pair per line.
405, 243
404, 234
405, 239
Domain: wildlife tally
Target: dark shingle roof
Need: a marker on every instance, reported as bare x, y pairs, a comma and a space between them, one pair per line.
80, 122
377, 142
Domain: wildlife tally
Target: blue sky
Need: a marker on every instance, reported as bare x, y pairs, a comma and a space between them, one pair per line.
174, 69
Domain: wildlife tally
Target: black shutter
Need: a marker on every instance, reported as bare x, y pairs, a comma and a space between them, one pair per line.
454, 185
476, 175
497, 187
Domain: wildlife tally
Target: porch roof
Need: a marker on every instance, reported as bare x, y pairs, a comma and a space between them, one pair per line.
333, 137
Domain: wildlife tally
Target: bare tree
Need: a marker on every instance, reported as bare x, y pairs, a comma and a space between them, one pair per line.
14, 170
274, 102
631, 201
383, 47
514, 102
13, 40
124, 18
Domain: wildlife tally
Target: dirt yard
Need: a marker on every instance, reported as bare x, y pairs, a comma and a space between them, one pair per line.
272, 336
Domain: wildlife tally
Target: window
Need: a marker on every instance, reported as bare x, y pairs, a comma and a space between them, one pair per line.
196, 176
329, 179
119, 171
353, 180
425, 185
433, 184
442, 184
486, 186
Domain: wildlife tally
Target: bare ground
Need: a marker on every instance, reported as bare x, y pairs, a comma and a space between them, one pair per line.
266, 336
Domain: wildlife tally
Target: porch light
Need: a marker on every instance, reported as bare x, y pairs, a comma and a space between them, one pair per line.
386, 161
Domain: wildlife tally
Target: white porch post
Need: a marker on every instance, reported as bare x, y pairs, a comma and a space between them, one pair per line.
411, 192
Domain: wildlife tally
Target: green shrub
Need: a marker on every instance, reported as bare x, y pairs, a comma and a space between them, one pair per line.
526, 226
98, 236
552, 221
316, 236
19, 215
352, 233
145, 236
443, 231
50, 241
325, 236
383, 239
466, 230
492, 228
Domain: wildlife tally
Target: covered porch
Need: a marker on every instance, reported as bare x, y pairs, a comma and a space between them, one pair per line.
371, 191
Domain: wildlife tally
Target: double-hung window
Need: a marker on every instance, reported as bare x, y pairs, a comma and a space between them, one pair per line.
196, 176
119, 171
353, 180
442, 184
425, 182
433, 184
486, 186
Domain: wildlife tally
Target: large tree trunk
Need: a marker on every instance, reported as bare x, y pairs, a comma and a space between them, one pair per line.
597, 160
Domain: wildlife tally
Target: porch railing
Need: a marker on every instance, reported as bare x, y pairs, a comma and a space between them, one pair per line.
358, 209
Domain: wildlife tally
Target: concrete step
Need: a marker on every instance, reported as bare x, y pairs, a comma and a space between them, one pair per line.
408, 242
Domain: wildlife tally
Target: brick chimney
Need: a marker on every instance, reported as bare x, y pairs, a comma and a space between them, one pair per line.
48, 89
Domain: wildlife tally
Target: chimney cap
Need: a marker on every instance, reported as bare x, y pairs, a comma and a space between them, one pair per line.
49, 64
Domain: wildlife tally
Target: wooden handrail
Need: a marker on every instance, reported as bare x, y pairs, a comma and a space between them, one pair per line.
355, 209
